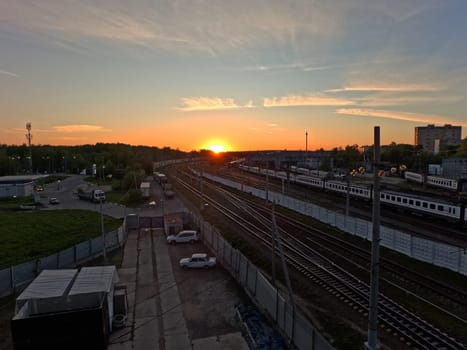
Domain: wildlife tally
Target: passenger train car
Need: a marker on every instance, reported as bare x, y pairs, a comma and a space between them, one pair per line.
413, 203
435, 181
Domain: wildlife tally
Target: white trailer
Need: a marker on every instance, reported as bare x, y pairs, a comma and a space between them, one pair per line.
145, 189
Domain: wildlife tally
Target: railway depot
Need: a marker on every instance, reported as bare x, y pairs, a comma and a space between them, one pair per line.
149, 266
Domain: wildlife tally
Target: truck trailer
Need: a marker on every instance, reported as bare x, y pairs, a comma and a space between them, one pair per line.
95, 196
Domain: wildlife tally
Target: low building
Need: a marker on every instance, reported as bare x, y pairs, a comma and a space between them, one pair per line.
18, 185
66, 309
455, 168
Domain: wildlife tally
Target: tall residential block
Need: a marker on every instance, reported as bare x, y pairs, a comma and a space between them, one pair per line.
431, 136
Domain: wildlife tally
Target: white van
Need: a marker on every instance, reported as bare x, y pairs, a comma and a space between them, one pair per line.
186, 236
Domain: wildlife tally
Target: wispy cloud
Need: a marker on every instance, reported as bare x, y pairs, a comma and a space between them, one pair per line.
389, 88
305, 100
390, 99
76, 128
406, 116
176, 24
4, 72
191, 104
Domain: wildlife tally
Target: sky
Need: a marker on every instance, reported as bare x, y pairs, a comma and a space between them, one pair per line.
243, 74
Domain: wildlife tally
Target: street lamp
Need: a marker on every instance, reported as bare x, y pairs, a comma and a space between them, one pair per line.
102, 230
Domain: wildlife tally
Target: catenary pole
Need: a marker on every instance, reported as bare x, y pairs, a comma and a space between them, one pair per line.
372, 343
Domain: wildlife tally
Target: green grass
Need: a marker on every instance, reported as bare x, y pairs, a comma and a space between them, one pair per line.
26, 236
15, 203
50, 179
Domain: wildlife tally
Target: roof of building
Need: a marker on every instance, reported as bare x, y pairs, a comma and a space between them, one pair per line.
20, 178
49, 284
94, 279
66, 290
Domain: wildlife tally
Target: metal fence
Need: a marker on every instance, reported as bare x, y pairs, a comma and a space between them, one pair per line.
16, 277
293, 325
439, 254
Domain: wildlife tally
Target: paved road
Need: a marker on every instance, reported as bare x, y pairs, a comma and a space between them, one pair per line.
65, 192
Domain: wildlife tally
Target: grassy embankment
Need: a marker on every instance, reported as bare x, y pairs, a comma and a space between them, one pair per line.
30, 235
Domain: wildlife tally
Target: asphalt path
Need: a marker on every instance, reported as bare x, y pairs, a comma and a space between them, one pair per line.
66, 192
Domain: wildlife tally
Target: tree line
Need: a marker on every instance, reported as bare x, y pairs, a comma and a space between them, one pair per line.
109, 158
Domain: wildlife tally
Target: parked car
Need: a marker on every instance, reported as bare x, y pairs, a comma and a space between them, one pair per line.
185, 236
53, 200
197, 261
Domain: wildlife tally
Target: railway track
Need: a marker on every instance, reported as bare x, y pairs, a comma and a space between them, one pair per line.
415, 332
393, 218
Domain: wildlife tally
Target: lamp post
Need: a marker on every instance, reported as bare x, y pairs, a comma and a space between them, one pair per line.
102, 231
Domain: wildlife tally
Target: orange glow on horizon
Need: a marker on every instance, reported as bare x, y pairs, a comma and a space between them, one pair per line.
217, 148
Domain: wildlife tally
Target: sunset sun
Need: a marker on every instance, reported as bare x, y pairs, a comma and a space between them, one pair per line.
217, 148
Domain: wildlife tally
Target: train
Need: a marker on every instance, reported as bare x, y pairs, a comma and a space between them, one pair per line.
435, 181
404, 201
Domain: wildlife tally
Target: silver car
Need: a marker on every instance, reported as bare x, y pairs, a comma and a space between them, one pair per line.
186, 236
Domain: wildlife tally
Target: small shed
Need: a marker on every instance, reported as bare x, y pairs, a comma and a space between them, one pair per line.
66, 309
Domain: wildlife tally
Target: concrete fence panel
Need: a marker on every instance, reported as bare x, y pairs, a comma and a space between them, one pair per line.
303, 333
363, 229
252, 277
320, 343
340, 222
266, 295
6, 284
82, 250
97, 245
281, 306
402, 242
66, 258
24, 272
422, 249
243, 270
332, 218
387, 237
111, 239
446, 256
48, 263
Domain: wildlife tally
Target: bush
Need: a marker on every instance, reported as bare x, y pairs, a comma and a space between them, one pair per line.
134, 196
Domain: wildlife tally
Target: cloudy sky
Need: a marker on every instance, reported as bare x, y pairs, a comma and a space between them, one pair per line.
247, 74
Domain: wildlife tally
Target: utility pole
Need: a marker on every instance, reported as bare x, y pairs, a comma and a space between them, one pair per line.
347, 196
372, 343
273, 246
103, 233
267, 184
285, 270
29, 138
201, 187
306, 145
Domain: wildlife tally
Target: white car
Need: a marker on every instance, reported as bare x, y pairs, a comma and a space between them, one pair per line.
198, 260
186, 236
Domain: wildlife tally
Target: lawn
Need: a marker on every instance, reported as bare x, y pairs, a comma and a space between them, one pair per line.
15, 203
26, 236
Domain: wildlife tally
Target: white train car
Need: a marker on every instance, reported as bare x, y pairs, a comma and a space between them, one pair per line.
309, 181
420, 204
414, 177
449, 184
354, 191
409, 202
